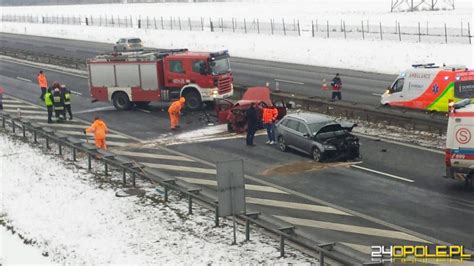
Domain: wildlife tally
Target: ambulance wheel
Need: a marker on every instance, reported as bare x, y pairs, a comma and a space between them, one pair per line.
121, 101
193, 101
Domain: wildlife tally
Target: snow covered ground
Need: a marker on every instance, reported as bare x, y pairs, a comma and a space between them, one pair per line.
75, 218
388, 56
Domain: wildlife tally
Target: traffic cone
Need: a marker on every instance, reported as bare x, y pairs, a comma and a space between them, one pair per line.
324, 87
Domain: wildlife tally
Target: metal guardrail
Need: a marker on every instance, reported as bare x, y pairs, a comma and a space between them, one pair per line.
135, 170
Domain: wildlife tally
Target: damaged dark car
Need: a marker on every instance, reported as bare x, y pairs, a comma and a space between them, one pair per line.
318, 136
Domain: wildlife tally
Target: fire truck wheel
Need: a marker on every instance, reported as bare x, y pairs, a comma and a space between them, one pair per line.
193, 101
121, 101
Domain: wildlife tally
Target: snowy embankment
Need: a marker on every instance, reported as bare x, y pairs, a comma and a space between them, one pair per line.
366, 55
75, 218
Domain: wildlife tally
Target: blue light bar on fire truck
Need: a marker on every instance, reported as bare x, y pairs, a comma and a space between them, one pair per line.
220, 53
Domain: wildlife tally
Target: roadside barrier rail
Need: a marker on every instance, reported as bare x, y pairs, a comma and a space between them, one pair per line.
131, 171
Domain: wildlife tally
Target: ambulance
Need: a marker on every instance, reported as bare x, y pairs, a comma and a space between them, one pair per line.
459, 153
428, 87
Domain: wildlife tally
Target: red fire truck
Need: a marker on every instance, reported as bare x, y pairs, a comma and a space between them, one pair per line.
143, 77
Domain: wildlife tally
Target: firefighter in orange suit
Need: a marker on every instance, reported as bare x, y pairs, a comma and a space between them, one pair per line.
42, 83
269, 116
100, 130
174, 111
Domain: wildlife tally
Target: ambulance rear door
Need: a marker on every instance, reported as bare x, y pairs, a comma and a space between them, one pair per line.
460, 139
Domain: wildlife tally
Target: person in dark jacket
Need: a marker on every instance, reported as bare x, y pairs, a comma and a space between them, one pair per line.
58, 101
66, 94
252, 124
336, 84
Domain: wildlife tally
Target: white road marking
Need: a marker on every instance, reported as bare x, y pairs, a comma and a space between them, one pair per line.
105, 108
153, 156
377, 94
76, 93
109, 143
35, 117
11, 101
8, 105
290, 81
143, 110
80, 133
361, 248
214, 183
39, 112
382, 173
294, 205
209, 139
180, 168
399, 143
81, 126
23, 79
352, 229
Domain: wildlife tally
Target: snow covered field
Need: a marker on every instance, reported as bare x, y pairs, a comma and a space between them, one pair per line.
388, 56
41, 198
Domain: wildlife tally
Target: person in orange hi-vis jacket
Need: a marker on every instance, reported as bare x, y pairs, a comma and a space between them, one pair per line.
174, 111
100, 130
269, 117
42, 83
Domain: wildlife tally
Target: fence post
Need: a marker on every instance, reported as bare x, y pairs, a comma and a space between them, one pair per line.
312, 28
381, 38
299, 30
363, 37
202, 23
171, 23
245, 25
419, 32
233, 25
179, 22
139, 23
399, 33
87, 21
212, 25
222, 25
190, 26
162, 25
42, 19
258, 26
445, 33
327, 27
154, 22
469, 32
271, 24
284, 29
427, 33
344, 25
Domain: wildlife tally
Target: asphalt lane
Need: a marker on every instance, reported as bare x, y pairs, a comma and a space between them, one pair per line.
431, 205
360, 87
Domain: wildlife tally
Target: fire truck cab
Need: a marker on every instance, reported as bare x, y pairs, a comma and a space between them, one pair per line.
427, 87
143, 77
459, 153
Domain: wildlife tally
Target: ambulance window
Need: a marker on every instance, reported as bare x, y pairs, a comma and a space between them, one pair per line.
398, 86
176, 66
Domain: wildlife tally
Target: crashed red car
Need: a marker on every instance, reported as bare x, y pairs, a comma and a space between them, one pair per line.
234, 113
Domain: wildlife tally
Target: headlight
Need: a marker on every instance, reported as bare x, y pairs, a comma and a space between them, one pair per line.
215, 92
329, 147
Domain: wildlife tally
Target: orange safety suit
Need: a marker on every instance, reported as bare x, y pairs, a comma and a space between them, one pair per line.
99, 128
174, 110
269, 115
42, 82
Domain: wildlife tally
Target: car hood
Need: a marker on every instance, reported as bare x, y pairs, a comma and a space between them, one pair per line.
255, 95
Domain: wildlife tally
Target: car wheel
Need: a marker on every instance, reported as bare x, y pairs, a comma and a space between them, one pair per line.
282, 143
316, 153
121, 101
230, 128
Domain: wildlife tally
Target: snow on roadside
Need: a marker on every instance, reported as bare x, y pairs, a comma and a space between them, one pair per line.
66, 213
